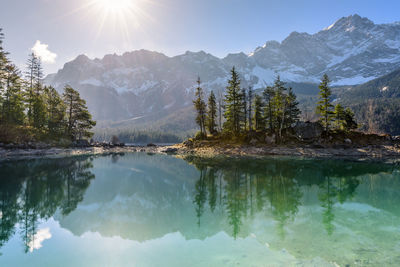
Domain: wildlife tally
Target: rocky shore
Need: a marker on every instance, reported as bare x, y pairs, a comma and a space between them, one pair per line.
367, 152
52, 152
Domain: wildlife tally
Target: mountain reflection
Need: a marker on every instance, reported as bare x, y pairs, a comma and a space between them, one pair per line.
143, 197
31, 191
272, 185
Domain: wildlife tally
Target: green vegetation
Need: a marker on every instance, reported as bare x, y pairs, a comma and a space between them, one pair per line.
30, 111
325, 107
247, 115
376, 104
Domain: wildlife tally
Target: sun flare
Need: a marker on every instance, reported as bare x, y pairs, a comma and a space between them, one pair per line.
115, 6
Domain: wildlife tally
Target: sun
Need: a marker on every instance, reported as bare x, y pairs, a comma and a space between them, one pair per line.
115, 6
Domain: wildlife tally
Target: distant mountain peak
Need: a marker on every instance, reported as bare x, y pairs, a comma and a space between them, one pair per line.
351, 51
350, 22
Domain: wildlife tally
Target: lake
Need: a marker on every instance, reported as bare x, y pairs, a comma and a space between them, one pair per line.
139, 209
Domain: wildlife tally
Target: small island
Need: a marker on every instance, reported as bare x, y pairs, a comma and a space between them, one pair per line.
269, 124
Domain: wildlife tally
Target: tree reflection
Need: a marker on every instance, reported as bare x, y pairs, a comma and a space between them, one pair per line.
34, 190
275, 186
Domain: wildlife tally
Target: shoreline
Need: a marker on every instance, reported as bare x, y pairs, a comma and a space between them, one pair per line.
381, 152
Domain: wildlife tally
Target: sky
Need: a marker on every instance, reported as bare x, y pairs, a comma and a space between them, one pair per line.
60, 30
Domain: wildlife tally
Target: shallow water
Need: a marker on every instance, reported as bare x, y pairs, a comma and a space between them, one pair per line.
156, 210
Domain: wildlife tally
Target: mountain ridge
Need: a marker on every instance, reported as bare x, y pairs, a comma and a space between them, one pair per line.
353, 50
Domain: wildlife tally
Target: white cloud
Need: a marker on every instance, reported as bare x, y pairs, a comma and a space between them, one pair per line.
38, 238
42, 51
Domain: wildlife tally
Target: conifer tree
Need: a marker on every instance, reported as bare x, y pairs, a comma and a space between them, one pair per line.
279, 106
79, 120
339, 117
233, 104
325, 107
250, 105
55, 112
212, 114
12, 106
293, 111
351, 123
220, 102
268, 96
38, 75
200, 107
244, 107
30, 77
259, 122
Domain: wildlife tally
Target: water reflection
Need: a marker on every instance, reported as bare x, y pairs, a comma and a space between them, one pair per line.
34, 190
307, 207
275, 185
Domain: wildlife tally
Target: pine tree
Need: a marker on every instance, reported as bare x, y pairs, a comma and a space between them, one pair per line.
38, 75
339, 117
55, 113
12, 106
233, 104
79, 120
279, 106
268, 96
324, 108
293, 111
220, 108
250, 105
244, 107
30, 77
212, 114
39, 112
350, 122
200, 107
259, 122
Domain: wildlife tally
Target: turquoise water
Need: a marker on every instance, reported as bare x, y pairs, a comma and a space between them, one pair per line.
157, 210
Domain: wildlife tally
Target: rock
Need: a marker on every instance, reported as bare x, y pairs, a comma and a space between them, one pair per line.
270, 140
1, 145
115, 140
348, 141
308, 130
188, 143
81, 143
9, 146
253, 142
151, 145
388, 137
170, 150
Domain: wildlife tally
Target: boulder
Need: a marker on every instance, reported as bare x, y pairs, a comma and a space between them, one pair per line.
253, 142
170, 150
347, 141
270, 140
151, 145
81, 143
308, 131
188, 143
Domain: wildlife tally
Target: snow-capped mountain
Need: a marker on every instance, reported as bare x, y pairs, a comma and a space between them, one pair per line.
136, 84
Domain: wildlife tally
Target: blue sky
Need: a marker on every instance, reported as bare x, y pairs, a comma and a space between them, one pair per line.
74, 27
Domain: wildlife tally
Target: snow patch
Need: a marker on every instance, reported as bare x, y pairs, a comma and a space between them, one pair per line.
329, 27
385, 88
394, 44
92, 81
353, 80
